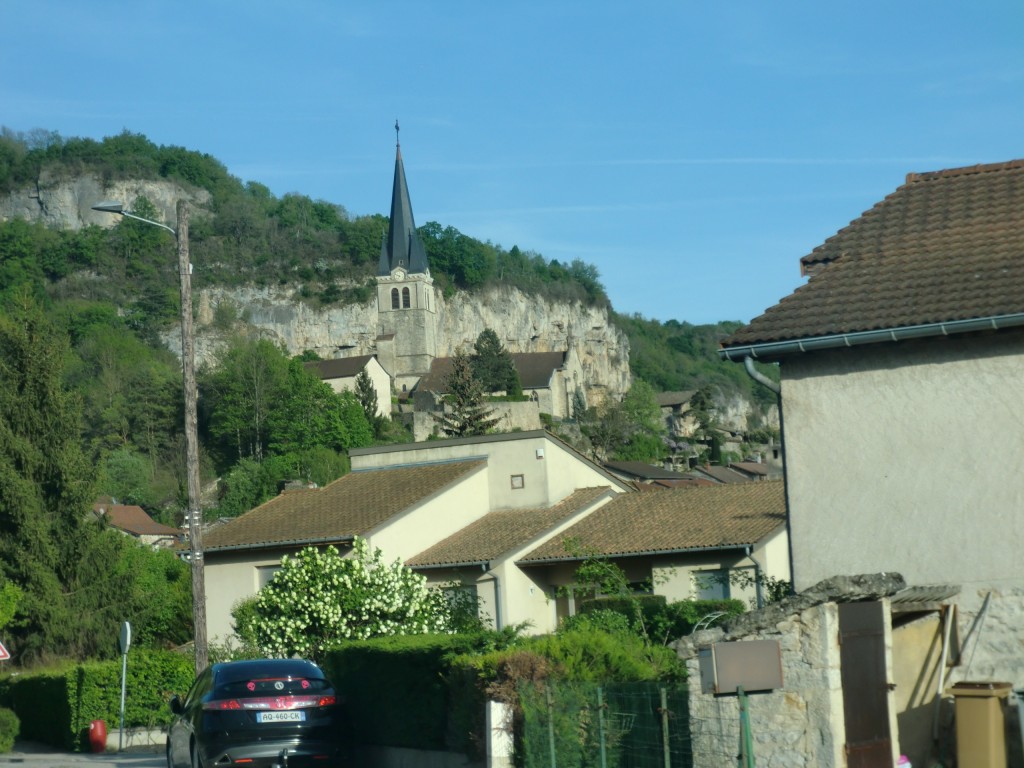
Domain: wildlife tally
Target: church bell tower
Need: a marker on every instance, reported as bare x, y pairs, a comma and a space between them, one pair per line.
406, 300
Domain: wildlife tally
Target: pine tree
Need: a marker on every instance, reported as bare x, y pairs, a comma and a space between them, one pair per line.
367, 397
492, 365
464, 414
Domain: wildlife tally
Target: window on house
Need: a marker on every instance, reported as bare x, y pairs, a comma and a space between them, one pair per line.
517, 482
264, 575
405, 298
394, 298
711, 585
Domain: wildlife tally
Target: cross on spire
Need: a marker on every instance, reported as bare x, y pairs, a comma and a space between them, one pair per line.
397, 142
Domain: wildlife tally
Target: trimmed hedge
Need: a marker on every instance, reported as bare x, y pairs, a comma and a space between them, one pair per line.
56, 707
9, 726
394, 687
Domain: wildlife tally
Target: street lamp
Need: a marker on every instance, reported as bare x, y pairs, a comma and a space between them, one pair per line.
188, 369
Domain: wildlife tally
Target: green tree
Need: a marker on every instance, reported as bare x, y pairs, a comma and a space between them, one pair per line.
319, 598
51, 547
465, 414
644, 436
492, 365
310, 413
250, 380
367, 397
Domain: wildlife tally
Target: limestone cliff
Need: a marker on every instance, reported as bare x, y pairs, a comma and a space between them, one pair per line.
524, 324
66, 203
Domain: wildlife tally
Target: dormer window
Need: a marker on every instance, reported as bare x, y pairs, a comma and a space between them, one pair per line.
394, 299
406, 299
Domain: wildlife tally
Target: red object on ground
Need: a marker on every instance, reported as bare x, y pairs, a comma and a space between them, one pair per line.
98, 736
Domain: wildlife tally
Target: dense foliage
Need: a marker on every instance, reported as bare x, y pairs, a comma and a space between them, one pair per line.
250, 236
679, 356
76, 581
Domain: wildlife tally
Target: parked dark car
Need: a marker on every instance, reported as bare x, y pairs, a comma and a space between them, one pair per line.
267, 713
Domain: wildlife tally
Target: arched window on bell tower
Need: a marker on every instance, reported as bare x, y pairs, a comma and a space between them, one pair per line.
394, 299
405, 298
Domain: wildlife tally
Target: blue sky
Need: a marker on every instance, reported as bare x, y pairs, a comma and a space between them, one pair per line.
692, 151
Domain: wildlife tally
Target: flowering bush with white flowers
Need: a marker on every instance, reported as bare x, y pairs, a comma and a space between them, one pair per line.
319, 598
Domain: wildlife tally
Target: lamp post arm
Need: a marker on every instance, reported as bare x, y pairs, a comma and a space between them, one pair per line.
148, 221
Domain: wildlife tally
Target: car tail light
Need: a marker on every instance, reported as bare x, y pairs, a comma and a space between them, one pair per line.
271, 702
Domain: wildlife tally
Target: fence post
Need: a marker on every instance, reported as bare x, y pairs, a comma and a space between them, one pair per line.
600, 726
499, 739
551, 724
666, 750
746, 737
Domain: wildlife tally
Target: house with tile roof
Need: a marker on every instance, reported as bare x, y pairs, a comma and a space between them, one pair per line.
908, 337
477, 511
132, 520
685, 543
340, 373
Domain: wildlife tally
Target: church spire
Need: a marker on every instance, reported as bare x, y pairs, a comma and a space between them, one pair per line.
403, 247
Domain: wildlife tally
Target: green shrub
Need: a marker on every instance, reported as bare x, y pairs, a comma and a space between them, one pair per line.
9, 727
661, 622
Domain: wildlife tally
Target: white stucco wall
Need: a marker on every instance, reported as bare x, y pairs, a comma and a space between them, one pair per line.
902, 457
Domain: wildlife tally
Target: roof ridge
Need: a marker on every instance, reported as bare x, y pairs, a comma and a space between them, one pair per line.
966, 170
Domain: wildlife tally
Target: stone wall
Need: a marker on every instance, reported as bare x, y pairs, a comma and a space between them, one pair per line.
798, 726
802, 724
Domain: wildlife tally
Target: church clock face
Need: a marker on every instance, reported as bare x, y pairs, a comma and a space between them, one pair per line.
399, 274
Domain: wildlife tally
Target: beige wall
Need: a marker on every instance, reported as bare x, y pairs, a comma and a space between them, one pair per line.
548, 476
902, 457
230, 577
433, 520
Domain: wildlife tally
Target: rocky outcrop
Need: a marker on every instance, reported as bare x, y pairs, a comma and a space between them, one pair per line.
524, 324
66, 203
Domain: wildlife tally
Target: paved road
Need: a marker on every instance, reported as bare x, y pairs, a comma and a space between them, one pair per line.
29, 755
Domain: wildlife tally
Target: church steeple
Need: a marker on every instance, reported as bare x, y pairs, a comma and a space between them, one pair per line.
403, 247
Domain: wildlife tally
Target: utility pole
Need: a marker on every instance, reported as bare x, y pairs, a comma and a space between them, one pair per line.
188, 374
194, 513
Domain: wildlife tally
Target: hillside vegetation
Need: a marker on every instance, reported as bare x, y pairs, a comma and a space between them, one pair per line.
112, 291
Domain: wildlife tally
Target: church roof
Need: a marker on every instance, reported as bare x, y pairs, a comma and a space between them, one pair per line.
535, 370
403, 248
338, 368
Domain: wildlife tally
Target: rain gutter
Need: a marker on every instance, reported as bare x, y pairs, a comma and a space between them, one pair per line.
770, 350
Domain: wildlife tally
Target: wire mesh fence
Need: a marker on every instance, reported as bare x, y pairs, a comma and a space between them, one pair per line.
616, 725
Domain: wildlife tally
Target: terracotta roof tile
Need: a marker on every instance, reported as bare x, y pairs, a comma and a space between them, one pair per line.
717, 516
502, 530
133, 519
945, 246
350, 506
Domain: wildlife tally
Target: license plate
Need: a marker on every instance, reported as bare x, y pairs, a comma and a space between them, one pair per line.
292, 716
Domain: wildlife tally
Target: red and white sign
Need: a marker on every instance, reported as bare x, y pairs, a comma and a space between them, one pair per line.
4, 653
